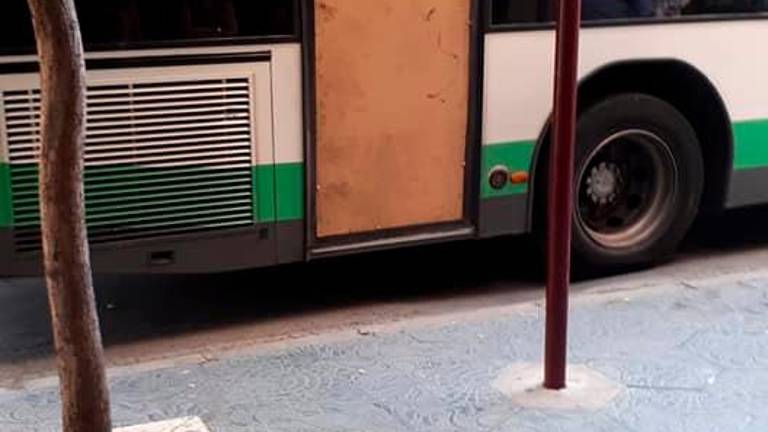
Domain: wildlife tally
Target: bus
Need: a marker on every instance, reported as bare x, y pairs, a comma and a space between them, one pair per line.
234, 134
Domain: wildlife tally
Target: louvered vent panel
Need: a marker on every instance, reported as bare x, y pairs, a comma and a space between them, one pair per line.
161, 158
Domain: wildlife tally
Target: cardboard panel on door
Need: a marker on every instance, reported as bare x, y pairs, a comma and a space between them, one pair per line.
392, 82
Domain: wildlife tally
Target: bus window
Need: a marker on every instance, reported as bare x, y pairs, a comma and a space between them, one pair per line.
210, 18
617, 9
521, 11
541, 11
613, 9
120, 23
710, 7
16, 27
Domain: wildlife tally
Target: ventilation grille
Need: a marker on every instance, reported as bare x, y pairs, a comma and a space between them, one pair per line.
161, 158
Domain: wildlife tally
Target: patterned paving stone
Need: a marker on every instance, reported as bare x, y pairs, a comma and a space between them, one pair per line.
690, 358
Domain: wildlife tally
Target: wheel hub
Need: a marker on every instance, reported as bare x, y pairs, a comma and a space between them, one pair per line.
625, 187
603, 183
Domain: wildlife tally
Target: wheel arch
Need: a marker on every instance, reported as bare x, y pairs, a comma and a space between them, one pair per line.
674, 81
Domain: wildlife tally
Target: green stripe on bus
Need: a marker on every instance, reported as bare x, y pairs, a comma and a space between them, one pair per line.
515, 156
750, 139
289, 184
6, 206
264, 191
278, 190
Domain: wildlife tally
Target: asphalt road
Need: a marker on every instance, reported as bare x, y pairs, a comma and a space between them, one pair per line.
157, 320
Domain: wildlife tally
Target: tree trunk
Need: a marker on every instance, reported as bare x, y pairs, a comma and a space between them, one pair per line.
77, 339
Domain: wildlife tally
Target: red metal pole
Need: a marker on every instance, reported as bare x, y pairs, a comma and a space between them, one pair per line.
560, 197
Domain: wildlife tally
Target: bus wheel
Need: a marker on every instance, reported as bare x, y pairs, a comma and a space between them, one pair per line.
637, 182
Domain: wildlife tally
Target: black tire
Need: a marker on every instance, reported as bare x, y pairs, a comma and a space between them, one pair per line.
638, 180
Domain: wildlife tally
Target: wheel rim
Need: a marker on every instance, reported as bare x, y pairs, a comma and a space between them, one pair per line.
625, 188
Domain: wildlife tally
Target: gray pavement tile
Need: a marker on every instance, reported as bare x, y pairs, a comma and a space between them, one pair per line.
692, 358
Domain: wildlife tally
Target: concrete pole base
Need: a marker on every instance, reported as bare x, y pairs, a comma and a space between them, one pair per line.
586, 388
186, 424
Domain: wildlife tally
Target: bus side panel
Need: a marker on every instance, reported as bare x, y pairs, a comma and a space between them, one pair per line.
518, 96
392, 101
205, 174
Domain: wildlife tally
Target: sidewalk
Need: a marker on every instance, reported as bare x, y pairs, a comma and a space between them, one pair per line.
689, 356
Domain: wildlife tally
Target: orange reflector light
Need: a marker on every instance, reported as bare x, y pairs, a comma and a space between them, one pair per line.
518, 177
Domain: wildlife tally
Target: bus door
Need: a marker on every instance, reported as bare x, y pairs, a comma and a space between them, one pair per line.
391, 110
